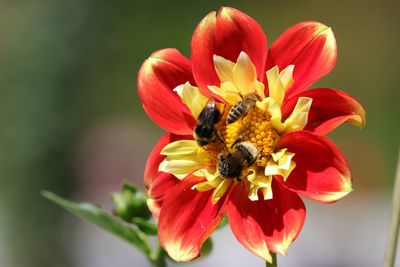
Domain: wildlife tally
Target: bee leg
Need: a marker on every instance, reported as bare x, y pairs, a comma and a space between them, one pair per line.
219, 137
240, 138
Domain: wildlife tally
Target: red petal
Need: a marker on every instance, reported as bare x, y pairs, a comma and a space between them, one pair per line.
329, 109
226, 34
159, 190
158, 76
187, 219
266, 224
154, 160
321, 171
311, 47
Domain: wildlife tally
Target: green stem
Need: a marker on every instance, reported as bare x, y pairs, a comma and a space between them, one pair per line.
274, 261
395, 222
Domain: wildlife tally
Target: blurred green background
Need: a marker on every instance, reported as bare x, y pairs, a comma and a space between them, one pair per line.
72, 122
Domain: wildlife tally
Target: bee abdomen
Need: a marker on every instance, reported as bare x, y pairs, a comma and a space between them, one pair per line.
236, 112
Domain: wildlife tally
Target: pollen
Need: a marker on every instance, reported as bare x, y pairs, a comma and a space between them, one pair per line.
255, 127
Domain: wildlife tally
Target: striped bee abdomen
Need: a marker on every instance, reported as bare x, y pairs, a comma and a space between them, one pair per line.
242, 107
237, 111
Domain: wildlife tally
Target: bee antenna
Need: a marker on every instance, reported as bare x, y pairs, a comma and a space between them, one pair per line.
219, 137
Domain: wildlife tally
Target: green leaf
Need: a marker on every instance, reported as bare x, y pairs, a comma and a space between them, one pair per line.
102, 219
145, 226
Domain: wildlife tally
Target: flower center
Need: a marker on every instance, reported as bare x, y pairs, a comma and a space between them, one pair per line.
254, 127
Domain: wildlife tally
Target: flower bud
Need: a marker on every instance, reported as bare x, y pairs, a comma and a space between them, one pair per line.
130, 203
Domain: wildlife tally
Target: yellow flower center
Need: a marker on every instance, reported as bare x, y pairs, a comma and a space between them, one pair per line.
254, 127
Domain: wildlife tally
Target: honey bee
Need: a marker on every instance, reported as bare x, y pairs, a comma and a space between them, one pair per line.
230, 165
205, 131
242, 107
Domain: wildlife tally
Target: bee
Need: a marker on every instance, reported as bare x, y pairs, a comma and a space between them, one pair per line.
238, 110
230, 165
205, 131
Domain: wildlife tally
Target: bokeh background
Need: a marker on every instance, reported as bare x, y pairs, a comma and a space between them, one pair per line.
71, 122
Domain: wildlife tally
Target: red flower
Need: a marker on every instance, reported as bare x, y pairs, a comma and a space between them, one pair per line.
282, 133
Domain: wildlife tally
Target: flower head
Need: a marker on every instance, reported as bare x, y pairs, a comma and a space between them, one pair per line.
245, 138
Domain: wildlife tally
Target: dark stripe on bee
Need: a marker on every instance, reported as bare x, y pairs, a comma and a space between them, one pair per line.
237, 111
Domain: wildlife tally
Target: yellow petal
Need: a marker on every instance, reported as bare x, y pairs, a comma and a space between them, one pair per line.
209, 174
271, 169
267, 192
285, 160
221, 189
253, 192
180, 167
204, 186
278, 154
286, 76
182, 158
212, 177
192, 97
298, 119
275, 112
244, 74
285, 173
258, 181
180, 148
275, 86
224, 69
227, 91
260, 89
281, 163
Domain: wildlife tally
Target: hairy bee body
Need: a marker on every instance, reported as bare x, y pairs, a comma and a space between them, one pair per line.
230, 165
242, 107
205, 129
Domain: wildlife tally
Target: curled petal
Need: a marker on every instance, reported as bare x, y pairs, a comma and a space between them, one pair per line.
159, 75
226, 34
266, 225
321, 171
329, 109
187, 219
159, 190
311, 47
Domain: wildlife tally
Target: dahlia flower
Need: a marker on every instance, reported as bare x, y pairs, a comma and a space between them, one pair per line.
285, 126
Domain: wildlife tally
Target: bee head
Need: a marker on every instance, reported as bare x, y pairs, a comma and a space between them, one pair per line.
202, 141
229, 166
